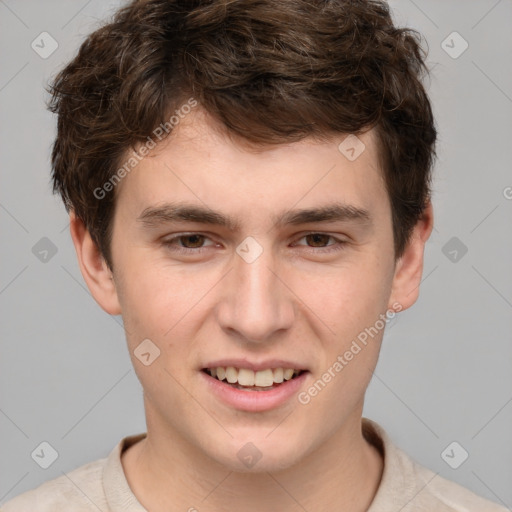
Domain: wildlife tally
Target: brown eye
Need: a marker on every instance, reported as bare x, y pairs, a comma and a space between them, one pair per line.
191, 241
321, 243
318, 239
188, 243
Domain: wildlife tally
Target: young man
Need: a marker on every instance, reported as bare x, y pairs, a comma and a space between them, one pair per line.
248, 186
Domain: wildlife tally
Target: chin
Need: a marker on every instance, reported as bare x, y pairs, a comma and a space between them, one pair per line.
260, 454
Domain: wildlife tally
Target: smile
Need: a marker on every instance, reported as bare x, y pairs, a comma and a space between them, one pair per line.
253, 390
249, 380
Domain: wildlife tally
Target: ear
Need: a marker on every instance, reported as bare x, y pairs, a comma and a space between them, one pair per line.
95, 271
409, 267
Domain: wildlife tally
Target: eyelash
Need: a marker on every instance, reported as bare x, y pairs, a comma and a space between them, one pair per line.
338, 246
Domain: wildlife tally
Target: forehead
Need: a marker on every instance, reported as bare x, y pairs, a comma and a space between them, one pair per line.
200, 163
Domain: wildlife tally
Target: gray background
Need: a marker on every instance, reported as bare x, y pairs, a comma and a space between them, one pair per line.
445, 369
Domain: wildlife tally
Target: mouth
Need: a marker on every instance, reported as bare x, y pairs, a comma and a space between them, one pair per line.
248, 380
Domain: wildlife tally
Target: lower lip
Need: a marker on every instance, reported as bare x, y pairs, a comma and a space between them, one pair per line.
254, 401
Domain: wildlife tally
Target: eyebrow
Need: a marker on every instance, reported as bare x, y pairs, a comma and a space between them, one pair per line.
175, 212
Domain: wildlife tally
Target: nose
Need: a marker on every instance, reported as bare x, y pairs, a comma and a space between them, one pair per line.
256, 304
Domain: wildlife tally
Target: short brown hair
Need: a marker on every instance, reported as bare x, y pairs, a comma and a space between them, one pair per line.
270, 71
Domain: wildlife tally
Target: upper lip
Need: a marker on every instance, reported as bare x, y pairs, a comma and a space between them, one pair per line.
254, 365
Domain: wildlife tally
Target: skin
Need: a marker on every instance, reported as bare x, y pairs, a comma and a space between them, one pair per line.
296, 301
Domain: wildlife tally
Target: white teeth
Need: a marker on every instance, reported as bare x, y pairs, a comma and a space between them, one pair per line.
288, 374
278, 375
246, 377
231, 374
263, 378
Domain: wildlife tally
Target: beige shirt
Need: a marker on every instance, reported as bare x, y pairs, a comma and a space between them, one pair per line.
101, 485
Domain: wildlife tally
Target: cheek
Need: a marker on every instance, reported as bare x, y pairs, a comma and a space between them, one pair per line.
352, 303
157, 298
347, 298
359, 304
159, 309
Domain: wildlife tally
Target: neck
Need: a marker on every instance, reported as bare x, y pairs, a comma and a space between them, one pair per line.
341, 474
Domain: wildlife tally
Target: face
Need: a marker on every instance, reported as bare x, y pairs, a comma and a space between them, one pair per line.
253, 264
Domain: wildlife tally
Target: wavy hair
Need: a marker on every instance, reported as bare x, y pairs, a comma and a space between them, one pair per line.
270, 71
